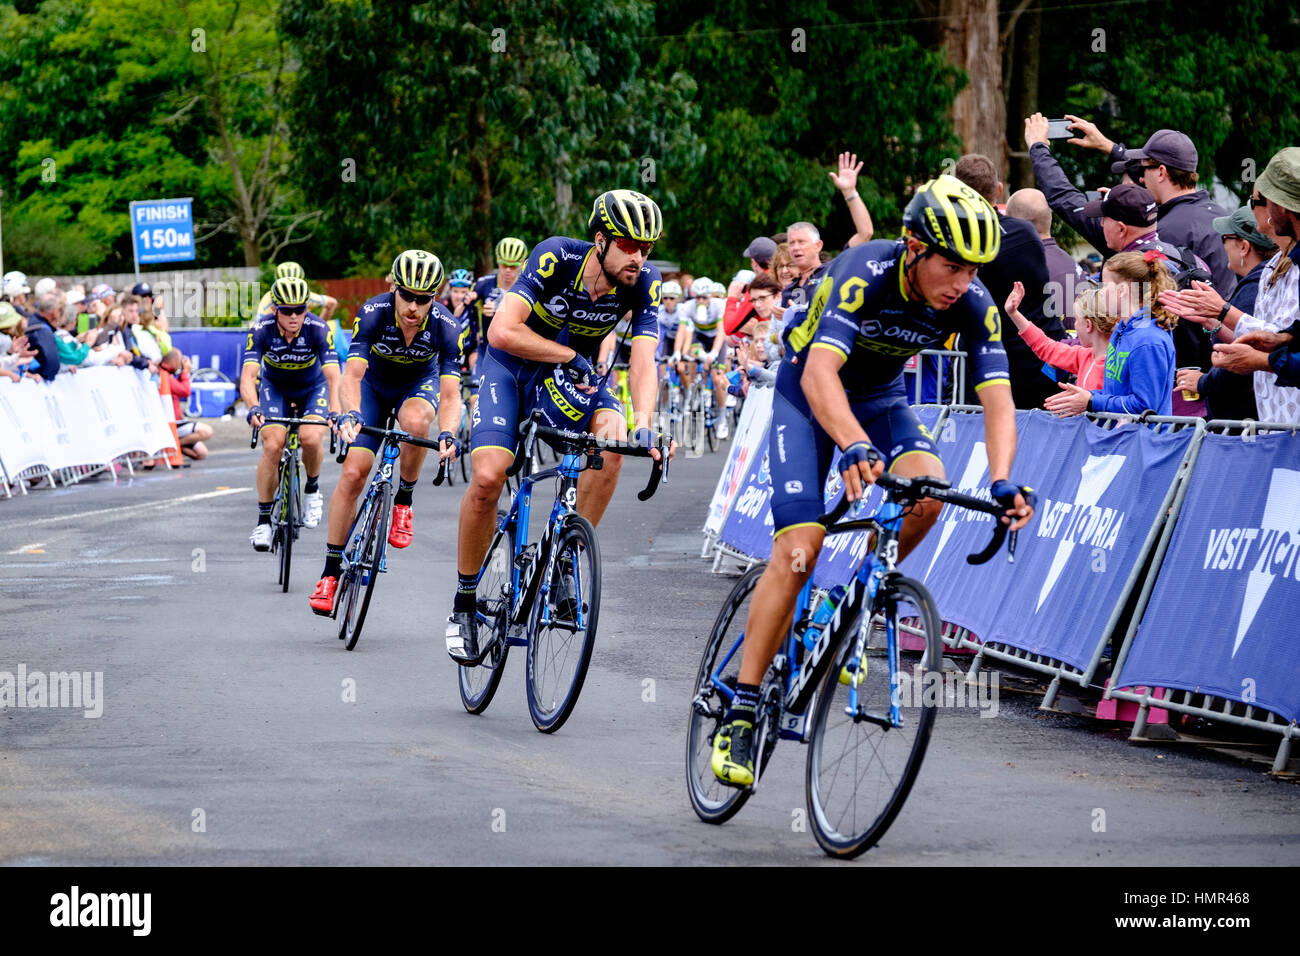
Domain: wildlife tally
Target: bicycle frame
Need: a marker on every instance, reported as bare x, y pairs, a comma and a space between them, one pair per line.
799, 678
390, 451
524, 570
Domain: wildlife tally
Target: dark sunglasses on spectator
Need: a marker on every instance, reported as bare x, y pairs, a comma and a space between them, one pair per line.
1256, 202
413, 297
631, 246
291, 309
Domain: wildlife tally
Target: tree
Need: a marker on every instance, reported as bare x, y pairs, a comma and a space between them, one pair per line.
487, 118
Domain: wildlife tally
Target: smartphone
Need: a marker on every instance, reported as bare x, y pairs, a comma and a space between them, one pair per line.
1060, 129
1093, 194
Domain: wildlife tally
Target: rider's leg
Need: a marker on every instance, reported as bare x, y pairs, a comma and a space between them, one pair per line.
595, 488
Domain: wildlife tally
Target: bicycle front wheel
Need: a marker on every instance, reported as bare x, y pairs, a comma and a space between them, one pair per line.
365, 570
285, 531
562, 626
861, 765
714, 801
492, 606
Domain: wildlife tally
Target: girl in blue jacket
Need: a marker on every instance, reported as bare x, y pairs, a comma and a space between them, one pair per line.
1140, 357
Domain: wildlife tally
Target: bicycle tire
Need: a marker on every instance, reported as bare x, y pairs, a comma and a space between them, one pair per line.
366, 570
551, 702
713, 801
492, 604
711, 428
285, 531
851, 831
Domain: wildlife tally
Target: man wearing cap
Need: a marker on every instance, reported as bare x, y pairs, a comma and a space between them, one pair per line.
143, 292
739, 308
1169, 160
1268, 342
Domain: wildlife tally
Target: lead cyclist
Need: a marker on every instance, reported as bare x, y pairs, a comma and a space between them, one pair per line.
841, 385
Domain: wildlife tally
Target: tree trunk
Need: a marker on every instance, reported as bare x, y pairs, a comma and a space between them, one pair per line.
482, 172
1029, 35
971, 42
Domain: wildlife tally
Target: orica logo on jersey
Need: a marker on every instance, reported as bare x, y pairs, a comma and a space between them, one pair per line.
557, 306
871, 327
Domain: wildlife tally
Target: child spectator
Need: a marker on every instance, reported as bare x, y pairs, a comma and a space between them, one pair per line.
192, 434
1140, 357
1093, 325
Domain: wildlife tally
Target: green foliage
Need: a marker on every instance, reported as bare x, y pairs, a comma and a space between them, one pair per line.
1224, 75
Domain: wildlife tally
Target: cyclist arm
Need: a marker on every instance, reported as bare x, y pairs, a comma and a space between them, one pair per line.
685, 333
1000, 434
252, 367
332, 380
606, 348
826, 396
642, 380
350, 385
510, 333
449, 404
328, 307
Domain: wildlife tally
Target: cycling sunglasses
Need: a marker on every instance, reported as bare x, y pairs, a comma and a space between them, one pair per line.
291, 309
631, 246
413, 297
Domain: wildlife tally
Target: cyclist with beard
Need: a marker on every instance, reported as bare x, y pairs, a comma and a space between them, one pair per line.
541, 345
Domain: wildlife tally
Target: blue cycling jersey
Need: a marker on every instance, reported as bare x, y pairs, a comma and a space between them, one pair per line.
860, 311
393, 362
560, 308
486, 290
292, 366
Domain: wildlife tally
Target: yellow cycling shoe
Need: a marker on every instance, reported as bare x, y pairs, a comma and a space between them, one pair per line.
733, 754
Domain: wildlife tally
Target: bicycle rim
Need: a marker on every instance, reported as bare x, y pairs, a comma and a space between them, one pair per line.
712, 800
559, 648
371, 553
285, 531
492, 606
860, 773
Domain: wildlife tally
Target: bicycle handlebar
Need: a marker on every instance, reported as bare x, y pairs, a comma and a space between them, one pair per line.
267, 420
532, 429
383, 433
913, 489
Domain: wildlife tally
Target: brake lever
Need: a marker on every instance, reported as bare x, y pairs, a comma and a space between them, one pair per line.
256, 430
999, 535
441, 476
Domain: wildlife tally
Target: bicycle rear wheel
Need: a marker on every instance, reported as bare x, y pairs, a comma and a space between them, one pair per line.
559, 645
710, 419
860, 767
493, 602
712, 800
365, 568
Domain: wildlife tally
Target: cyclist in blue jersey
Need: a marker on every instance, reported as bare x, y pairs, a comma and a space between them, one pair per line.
541, 345
841, 385
511, 254
671, 314
322, 305
404, 360
293, 352
459, 286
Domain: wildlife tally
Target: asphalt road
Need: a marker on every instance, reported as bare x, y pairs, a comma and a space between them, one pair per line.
226, 736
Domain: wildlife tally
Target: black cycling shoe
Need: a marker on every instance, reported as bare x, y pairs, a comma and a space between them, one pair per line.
462, 638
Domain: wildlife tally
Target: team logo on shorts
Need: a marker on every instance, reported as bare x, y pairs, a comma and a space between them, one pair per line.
793, 487
498, 420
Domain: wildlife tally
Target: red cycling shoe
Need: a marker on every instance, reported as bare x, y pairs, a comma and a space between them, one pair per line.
400, 535
322, 599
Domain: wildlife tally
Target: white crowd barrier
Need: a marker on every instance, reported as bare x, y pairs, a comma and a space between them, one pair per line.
79, 424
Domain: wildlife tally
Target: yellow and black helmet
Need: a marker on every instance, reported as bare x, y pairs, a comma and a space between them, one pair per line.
290, 290
511, 252
418, 271
953, 220
289, 270
627, 214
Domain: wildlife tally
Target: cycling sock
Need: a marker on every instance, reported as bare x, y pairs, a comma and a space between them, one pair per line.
466, 585
310, 488
333, 560
744, 706
264, 511
404, 491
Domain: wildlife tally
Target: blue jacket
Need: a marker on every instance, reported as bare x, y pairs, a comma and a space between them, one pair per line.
1139, 369
40, 338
